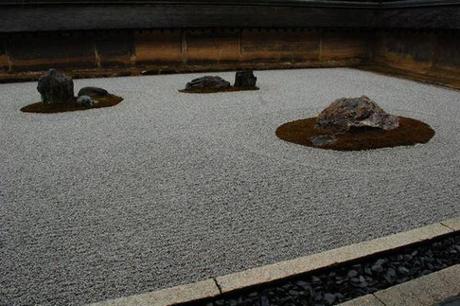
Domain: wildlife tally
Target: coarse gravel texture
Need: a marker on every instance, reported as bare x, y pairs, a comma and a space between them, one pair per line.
168, 188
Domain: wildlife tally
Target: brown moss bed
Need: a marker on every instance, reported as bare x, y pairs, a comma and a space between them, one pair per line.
215, 90
409, 132
40, 107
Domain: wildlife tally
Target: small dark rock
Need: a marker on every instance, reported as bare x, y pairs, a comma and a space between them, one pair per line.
322, 140
378, 266
315, 280
92, 92
85, 101
55, 87
355, 280
330, 298
403, 270
352, 274
368, 271
245, 79
318, 297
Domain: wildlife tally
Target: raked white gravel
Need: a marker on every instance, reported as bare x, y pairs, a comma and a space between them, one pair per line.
168, 188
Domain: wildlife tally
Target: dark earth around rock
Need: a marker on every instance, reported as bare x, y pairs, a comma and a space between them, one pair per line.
304, 132
346, 113
39, 107
245, 79
92, 92
353, 124
207, 82
56, 88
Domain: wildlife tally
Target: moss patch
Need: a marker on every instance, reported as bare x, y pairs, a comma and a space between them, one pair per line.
214, 90
40, 107
409, 132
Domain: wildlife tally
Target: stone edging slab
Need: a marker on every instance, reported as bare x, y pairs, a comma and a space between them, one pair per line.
273, 272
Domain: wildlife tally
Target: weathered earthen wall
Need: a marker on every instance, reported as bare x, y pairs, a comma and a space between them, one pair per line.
427, 53
79, 50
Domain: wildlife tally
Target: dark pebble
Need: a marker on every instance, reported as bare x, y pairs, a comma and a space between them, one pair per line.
330, 298
352, 274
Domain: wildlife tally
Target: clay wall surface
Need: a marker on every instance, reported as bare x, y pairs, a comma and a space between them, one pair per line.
80, 50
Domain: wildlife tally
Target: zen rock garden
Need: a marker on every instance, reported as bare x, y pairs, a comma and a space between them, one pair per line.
57, 95
244, 80
165, 175
351, 124
347, 124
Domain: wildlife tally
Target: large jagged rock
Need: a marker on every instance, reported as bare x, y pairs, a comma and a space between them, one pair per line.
347, 113
245, 79
55, 87
207, 82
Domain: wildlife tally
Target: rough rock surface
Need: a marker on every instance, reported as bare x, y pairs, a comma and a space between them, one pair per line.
207, 82
346, 113
93, 92
86, 101
55, 87
245, 79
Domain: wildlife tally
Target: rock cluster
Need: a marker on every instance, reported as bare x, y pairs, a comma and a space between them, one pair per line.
338, 284
207, 82
245, 79
55, 87
348, 113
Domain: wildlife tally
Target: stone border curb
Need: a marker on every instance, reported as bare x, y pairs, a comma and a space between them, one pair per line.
426, 290
273, 272
168, 296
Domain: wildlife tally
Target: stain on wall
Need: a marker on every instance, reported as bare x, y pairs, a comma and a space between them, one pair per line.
206, 46
157, 47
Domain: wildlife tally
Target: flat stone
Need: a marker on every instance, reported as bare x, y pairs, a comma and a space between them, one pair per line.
453, 223
207, 82
93, 92
273, 272
170, 296
305, 264
366, 300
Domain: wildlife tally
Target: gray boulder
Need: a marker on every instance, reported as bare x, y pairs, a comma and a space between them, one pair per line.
346, 113
55, 87
245, 79
85, 101
93, 92
207, 82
